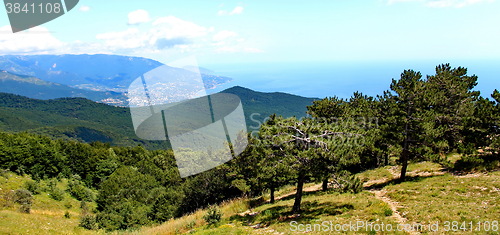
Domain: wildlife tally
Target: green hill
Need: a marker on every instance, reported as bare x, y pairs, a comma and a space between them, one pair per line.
260, 105
87, 121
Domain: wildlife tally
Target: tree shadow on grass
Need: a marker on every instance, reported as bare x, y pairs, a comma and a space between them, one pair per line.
310, 211
397, 181
304, 193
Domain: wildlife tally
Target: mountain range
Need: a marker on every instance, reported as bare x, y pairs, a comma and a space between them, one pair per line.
83, 97
101, 78
88, 121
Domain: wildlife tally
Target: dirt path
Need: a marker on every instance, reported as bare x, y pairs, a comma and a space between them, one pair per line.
380, 195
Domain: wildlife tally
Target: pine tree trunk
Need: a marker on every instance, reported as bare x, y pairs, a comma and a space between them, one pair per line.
404, 156
272, 195
325, 185
404, 163
298, 194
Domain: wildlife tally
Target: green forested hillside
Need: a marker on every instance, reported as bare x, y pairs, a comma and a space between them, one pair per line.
259, 105
85, 120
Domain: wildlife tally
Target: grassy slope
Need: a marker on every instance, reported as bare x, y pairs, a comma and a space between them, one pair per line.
47, 215
431, 195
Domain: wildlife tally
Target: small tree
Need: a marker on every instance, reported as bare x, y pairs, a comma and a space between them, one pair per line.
213, 215
23, 197
88, 221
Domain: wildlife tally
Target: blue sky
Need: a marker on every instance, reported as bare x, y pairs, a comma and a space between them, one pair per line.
222, 32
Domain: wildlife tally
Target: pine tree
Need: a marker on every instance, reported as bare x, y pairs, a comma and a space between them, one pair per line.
449, 107
404, 118
495, 130
304, 145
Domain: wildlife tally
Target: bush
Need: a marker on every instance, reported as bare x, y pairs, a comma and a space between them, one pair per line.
84, 206
56, 194
68, 205
213, 215
25, 198
78, 190
33, 187
88, 222
478, 162
67, 215
345, 182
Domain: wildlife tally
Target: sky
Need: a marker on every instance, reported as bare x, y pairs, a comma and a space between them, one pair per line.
225, 32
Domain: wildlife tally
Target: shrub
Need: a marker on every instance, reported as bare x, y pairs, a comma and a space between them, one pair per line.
345, 182
25, 198
80, 192
213, 215
485, 162
84, 206
7, 199
67, 215
33, 187
388, 212
191, 224
68, 205
56, 194
88, 222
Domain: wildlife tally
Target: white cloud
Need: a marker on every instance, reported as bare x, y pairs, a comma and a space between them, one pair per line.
173, 27
128, 39
236, 49
138, 17
37, 40
162, 34
171, 34
454, 3
236, 11
223, 35
84, 8
166, 35
443, 3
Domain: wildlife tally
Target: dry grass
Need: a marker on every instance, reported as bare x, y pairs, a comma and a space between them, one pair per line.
195, 220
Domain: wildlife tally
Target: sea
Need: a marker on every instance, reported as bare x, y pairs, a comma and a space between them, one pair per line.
342, 79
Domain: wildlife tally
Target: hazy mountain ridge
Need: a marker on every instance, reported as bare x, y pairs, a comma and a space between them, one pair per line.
36, 88
52, 76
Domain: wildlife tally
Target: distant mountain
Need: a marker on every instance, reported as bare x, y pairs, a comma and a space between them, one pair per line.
260, 105
87, 121
105, 73
33, 87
